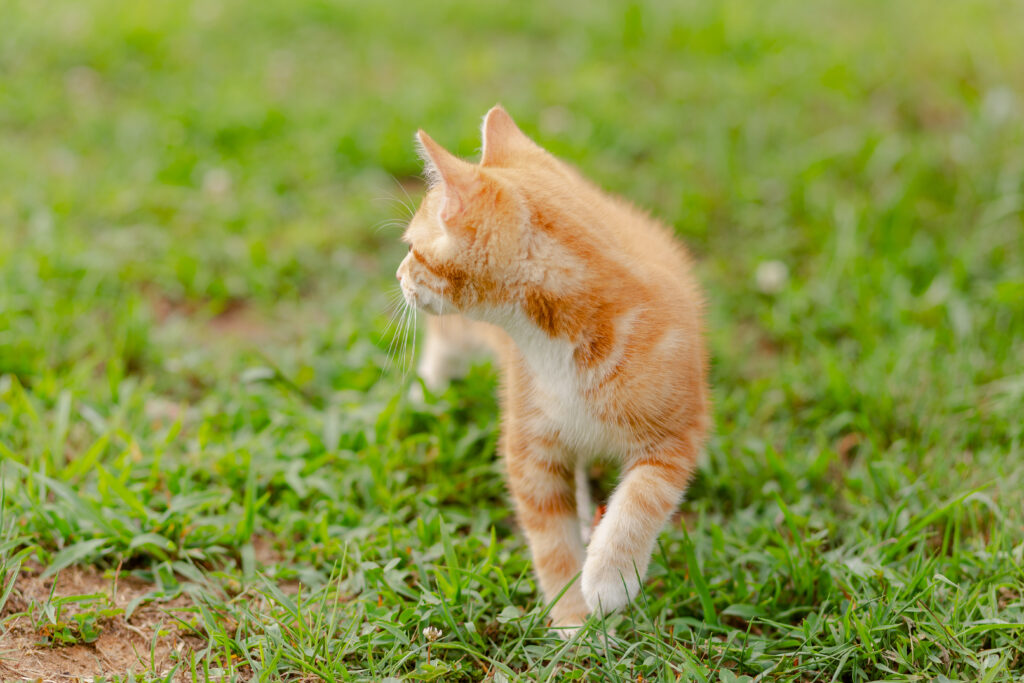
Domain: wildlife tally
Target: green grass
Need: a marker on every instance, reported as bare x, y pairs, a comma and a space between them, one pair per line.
193, 295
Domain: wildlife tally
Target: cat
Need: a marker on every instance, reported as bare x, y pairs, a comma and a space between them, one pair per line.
596, 317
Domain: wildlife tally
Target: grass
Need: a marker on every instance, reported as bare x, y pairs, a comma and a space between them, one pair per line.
193, 295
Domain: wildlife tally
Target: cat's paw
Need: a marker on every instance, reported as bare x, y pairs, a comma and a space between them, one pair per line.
569, 612
433, 383
568, 622
608, 582
567, 631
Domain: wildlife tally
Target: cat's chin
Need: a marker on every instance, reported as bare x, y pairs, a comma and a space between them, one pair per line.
429, 307
424, 305
439, 308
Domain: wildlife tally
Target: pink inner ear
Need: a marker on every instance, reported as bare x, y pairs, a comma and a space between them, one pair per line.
460, 185
452, 204
459, 179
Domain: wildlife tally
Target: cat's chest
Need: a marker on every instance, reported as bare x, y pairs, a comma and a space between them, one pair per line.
555, 391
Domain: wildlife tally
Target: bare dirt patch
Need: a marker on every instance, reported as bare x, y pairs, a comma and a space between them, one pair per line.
235, 320
149, 640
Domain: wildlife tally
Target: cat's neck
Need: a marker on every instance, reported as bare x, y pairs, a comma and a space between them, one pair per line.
551, 332
547, 357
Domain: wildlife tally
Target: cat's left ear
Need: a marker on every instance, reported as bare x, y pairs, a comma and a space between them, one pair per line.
502, 138
460, 179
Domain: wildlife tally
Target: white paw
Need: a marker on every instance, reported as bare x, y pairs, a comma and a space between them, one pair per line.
600, 638
566, 632
609, 582
433, 379
434, 370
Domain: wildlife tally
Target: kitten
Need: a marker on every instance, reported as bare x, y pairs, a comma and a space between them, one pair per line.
595, 314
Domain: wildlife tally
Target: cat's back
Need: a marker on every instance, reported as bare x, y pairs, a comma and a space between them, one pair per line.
609, 233
647, 240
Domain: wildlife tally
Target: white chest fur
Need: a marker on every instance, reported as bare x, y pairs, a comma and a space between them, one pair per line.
556, 392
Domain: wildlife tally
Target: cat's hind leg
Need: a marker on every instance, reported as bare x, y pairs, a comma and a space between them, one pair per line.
584, 505
439, 361
450, 345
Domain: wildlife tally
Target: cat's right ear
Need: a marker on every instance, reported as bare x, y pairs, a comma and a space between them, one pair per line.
460, 179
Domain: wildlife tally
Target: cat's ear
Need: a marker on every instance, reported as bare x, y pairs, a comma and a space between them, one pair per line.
460, 179
502, 138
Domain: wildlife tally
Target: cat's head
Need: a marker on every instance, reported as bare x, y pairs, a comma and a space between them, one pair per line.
473, 243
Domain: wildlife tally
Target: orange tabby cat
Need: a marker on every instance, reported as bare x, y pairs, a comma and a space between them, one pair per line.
595, 314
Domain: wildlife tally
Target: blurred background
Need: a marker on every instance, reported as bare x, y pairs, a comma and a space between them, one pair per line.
204, 157
199, 210
188, 185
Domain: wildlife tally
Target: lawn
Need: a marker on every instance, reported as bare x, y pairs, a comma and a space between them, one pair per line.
211, 469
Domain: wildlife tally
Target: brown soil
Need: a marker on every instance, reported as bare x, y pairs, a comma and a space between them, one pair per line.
151, 640
236, 321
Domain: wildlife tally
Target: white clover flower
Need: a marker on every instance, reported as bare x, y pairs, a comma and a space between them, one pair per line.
999, 105
771, 276
432, 633
217, 183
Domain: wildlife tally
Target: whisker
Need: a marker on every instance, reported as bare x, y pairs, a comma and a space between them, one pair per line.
395, 298
405, 339
391, 321
411, 205
392, 311
399, 338
412, 350
407, 206
392, 303
394, 219
390, 223
393, 345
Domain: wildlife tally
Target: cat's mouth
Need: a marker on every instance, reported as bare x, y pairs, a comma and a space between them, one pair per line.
421, 295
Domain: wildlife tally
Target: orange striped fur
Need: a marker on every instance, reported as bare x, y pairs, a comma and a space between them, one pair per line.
595, 314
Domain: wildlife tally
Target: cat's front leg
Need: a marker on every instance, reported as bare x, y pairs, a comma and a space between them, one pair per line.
621, 547
541, 481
